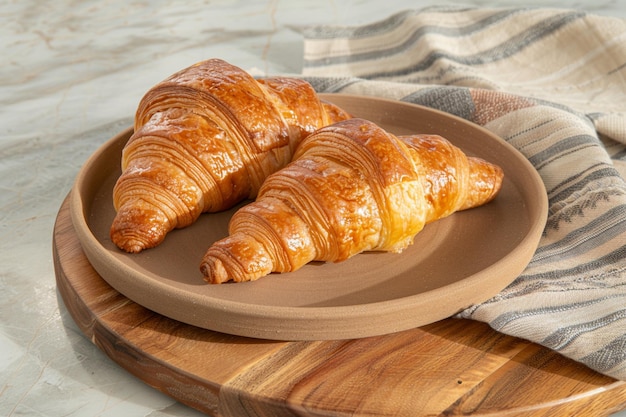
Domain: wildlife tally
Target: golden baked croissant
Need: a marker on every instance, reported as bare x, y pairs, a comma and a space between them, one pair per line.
352, 187
205, 139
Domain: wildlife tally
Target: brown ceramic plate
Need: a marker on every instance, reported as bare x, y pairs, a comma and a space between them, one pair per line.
462, 260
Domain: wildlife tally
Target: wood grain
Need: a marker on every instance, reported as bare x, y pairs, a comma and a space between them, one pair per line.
450, 368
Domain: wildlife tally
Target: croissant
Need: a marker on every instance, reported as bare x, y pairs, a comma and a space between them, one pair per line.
352, 187
205, 139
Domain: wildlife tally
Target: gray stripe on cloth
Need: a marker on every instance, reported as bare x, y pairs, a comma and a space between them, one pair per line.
563, 148
502, 51
510, 316
601, 173
331, 85
411, 40
599, 231
608, 357
579, 180
453, 100
385, 25
583, 270
564, 336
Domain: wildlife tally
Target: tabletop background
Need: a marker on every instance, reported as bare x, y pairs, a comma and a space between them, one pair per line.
71, 76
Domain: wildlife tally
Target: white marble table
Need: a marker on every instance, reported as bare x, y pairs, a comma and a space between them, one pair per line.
70, 77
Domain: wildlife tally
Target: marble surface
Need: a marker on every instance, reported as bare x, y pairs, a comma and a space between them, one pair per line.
70, 78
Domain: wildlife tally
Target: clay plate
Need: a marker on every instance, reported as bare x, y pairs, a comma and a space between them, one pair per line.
454, 263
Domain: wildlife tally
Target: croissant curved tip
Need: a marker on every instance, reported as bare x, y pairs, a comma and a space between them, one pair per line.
239, 257
133, 246
214, 271
130, 244
137, 228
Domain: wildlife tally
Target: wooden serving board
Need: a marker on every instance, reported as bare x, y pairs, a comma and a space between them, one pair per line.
450, 368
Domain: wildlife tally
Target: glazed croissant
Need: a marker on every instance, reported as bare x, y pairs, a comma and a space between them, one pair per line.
205, 139
352, 187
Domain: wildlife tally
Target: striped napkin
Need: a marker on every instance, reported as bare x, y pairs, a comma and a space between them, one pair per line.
552, 83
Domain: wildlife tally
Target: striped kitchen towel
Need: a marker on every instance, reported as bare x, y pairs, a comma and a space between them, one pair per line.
552, 83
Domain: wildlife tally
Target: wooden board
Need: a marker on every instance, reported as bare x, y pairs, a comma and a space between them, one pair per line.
450, 368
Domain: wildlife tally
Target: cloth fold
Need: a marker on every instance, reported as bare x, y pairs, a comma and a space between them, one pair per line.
552, 83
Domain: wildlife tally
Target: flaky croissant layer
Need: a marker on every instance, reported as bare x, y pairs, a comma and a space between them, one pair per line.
205, 139
352, 187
